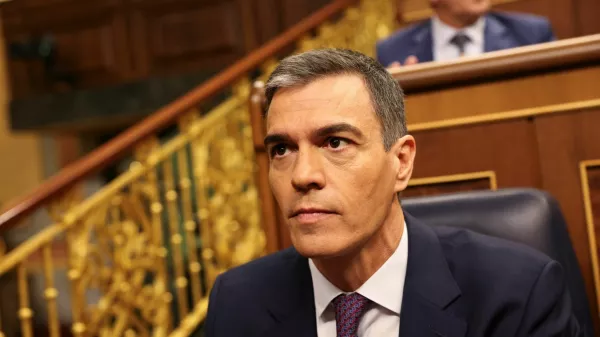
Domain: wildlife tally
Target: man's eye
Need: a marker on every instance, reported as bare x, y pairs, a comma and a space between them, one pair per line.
336, 143
278, 150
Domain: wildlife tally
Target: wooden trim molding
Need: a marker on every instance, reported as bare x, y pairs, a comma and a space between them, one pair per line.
507, 115
491, 175
546, 57
589, 219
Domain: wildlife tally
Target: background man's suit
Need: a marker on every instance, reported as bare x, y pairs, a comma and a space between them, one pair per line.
502, 31
458, 283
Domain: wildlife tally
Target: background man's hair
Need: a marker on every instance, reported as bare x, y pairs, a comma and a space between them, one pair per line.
386, 95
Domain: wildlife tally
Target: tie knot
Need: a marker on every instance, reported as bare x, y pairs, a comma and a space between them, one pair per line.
460, 40
348, 311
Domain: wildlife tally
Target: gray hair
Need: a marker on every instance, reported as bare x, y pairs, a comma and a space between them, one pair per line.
386, 95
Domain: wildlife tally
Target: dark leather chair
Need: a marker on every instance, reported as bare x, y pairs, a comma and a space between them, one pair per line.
528, 216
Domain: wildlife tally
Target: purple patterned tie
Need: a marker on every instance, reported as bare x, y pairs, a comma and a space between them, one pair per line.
348, 311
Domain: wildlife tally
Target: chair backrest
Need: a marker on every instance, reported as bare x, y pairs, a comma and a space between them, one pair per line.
528, 216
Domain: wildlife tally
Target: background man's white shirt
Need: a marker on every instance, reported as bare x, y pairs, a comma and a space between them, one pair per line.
444, 50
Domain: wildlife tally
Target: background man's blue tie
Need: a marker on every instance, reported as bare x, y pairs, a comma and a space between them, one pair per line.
460, 40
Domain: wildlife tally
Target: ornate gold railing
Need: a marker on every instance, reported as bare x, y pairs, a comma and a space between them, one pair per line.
153, 240
142, 252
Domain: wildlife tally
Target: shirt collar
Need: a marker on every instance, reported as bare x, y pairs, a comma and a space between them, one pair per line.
385, 287
443, 33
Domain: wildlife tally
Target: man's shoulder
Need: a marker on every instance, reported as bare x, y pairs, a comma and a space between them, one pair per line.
532, 28
403, 35
473, 255
524, 19
244, 299
394, 47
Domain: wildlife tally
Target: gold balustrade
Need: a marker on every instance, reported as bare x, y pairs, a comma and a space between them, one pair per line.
153, 240
143, 251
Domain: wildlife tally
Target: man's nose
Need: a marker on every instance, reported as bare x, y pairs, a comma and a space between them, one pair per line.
308, 171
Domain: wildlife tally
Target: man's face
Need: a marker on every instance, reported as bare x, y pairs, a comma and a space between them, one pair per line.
464, 10
329, 171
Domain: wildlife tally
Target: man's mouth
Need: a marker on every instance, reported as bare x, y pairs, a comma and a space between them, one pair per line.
309, 215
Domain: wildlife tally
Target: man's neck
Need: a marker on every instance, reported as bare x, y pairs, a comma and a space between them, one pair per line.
350, 271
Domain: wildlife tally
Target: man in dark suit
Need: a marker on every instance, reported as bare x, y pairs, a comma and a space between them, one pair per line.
462, 28
360, 266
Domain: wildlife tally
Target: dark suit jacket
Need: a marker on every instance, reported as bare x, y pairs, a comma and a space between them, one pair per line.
502, 31
458, 283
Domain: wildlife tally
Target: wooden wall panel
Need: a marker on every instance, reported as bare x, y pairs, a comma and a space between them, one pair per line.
105, 42
561, 13
267, 13
587, 16
32, 10
476, 148
292, 11
564, 140
275, 16
501, 96
475, 181
182, 35
171, 38
90, 43
590, 184
543, 151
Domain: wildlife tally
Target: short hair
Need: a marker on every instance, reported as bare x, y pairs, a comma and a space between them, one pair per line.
386, 95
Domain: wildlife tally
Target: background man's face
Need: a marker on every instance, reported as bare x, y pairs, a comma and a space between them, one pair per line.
329, 171
464, 10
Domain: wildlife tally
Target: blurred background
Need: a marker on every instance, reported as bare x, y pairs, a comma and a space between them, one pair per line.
131, 164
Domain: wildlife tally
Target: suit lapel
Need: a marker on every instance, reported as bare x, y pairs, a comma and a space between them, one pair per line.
496, 36
292, 305
429, 289
299, 324
429, 293
423, 43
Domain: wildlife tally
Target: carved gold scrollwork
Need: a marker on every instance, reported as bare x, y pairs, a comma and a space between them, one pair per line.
241, 89
115, 253
223, 158
58, 208
188, 120
359, 29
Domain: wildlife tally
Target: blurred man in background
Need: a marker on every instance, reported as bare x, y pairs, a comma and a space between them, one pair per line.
462, 28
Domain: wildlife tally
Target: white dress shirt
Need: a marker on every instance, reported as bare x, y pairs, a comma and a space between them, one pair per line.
443, 50
384, 288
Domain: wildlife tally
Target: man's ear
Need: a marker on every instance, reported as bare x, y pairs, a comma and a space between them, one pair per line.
404, 150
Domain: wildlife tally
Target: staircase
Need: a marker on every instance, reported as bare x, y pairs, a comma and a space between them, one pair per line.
138, 256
